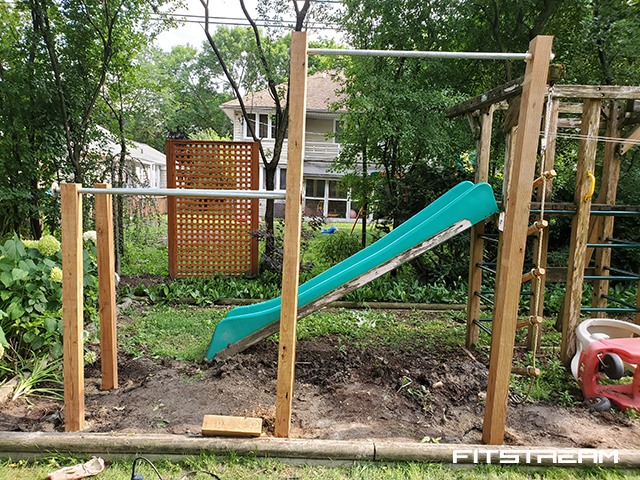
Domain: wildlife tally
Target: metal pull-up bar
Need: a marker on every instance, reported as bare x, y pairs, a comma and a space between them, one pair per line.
421, 54
183, 192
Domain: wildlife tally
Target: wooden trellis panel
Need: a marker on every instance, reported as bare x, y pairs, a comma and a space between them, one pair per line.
211, 235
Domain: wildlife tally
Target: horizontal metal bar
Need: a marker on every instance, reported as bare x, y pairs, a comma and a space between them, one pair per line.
489, 238
485, 299
617, 300
622, 240
612, 310
624, 272
485, 268
611, 277
187, 192
482, 327
616, 213
613, 245
491, 292
419, 54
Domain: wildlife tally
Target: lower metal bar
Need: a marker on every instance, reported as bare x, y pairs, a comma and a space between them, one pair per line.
485, 299
611, 277
482, 327
612, 310
621, 302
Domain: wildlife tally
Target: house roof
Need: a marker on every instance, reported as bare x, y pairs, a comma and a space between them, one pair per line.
140, 151
321, 92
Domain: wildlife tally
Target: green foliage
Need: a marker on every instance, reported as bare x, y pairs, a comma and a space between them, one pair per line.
145, 247
555, 383
31, 297
332, 249
182, 333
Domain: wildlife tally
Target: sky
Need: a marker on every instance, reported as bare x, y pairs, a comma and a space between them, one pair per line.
224, 11
193, 33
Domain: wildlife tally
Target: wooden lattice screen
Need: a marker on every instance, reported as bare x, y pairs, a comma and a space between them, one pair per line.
211, 235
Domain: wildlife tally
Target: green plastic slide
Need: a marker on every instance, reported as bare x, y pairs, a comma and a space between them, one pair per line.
465, 202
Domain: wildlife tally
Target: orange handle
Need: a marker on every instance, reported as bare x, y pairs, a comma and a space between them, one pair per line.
593, 186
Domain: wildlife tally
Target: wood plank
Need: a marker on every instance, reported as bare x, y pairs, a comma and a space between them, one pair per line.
255, 207
579, 228
477, 244
72, 306
597, 92
498, 94
634, 136
576, 123
345, 288
513, 240
219, 425
603, 227
570, 107
106, 289
172, 224
293, 224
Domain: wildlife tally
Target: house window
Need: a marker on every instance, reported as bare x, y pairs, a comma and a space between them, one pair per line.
337, 130
283, 179
265, 129
325, 198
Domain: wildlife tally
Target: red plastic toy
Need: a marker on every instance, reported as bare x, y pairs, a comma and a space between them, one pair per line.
628, 351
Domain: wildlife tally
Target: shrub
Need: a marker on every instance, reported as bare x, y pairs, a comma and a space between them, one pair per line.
31, 298
336, 247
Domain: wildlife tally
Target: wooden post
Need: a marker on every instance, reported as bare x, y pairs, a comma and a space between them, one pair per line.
607, 195
477, 244
513, 240
171, 211
255, 207
538, 283
580, 227
72, 307
106, 289
292, 226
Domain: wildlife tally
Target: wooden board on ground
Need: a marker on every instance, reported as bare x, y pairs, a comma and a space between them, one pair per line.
219, 425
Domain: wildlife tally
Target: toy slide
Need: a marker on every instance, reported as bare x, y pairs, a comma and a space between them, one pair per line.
457, 210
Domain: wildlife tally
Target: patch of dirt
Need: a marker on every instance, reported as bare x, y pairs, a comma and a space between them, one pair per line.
341, 392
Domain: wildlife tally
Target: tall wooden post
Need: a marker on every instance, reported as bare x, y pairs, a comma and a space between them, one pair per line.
292, 226
513, 239
72, 306
477, 244
607, 195
580, 227
106, 289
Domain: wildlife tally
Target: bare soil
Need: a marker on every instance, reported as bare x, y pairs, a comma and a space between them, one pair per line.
341, 392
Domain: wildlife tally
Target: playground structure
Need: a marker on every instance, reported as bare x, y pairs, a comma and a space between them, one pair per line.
509, 270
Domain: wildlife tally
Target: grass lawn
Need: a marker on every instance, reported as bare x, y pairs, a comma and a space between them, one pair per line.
233, 467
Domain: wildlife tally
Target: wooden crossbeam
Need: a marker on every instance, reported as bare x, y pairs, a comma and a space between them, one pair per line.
634, 135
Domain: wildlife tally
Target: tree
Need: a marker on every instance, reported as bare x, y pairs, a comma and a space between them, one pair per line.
83, 39
265, 51
29, 142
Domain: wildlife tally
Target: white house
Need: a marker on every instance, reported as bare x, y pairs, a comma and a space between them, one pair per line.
322, 195
146, 166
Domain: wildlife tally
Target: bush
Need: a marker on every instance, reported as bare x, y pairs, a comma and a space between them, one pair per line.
31, 299
336, 247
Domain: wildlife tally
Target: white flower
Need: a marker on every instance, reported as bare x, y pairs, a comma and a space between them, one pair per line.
89, 235
56, 274
48, 245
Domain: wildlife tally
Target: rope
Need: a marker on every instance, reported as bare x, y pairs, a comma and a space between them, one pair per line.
578, 136
543, 163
